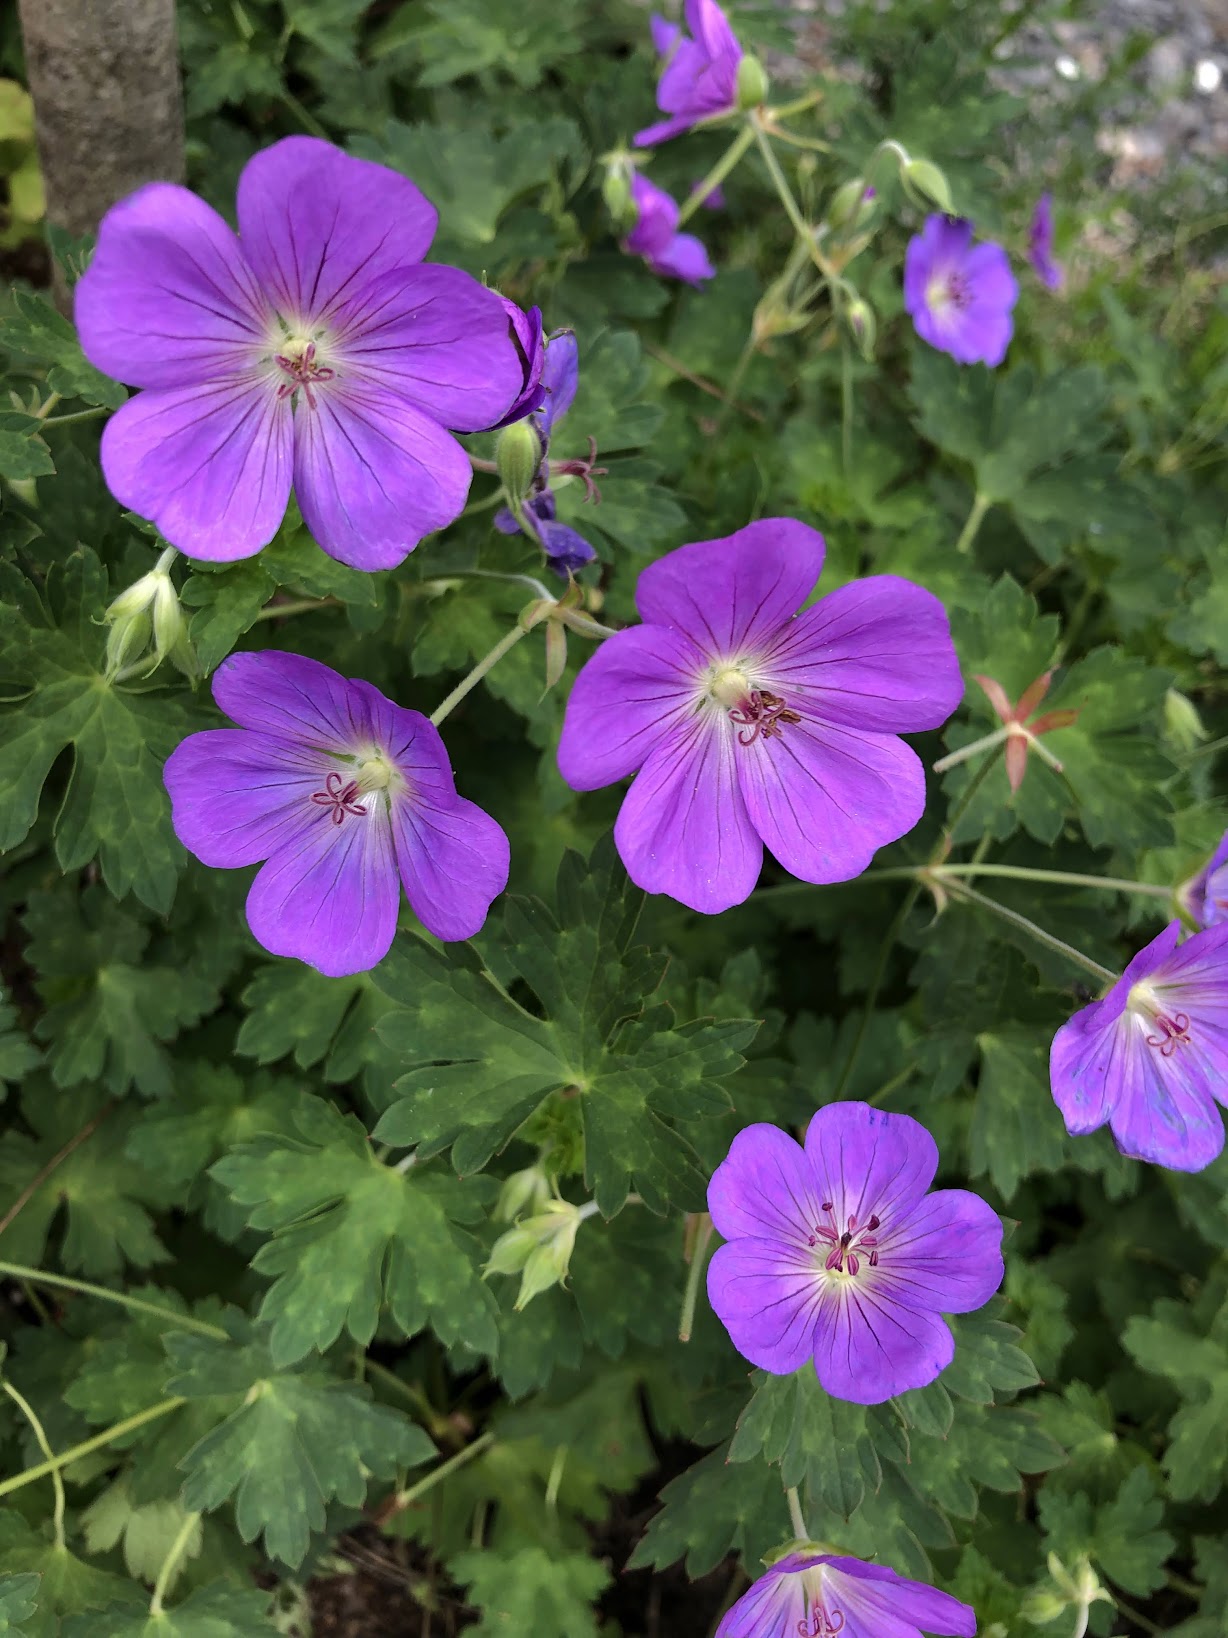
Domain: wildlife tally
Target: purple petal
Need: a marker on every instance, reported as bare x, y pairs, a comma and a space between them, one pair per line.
560, 377
767, 1296
685, 258
531, 347
1209, 890
664, 129
825, 799
294, 699
710, 28
330, 894
866, 1162
765, 1188
168, 295
987, 268
639, 686
876, 1601
656, 218
453, 862
235, 794
318, 227
208, 463
567, 550
876, 654
373, 475
734, 593
776, 1606
683, 827
664, 34
435, 338
945, 1255
869, 1348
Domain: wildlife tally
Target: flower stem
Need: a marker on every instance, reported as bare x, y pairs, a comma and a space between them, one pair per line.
717, 174
846, 407
1024, 873
183, 1322
961, 890
699, 1260
796, 1516
785, 193
987, 742
980, 506
77, 415
27, 1410
880, 968
300, 605
406, 1498
171, 1563
88, 1446
486, 663
304, 115
57, 1159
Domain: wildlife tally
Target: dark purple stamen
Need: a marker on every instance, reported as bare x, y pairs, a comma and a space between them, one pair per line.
959, 294
820, 1625
584, 470
1175, 1032
339, 797
304, 372
843, 1245
763, 714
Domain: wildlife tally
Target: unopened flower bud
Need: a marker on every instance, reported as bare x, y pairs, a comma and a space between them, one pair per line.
862, 323
127, 639
528, 1190
518, 455
1183, 727
616, 191
148, 608
169, 625
539, 1248
847, 202
922, 176
752, 84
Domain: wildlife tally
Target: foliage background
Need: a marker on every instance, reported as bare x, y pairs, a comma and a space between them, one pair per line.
188, 1120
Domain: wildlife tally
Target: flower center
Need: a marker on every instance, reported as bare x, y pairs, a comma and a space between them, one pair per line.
1166, 1030
843, 1256
339, 796
819, 1624
298, 360
376, 773
949, 289
761, 716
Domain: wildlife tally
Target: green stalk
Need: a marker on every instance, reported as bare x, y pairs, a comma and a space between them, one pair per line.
485, 664
88, 1446
717, 174
1024, 873
406, 1497
27, 1411
980, 506
699, 1260
961, 890
182, 1322
796, 1518
171, 1563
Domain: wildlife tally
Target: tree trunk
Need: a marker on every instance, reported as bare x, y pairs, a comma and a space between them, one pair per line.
104, 75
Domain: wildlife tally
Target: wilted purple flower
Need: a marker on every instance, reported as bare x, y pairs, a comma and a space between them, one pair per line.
1151, 1058
316, 347
820, 1595
836, 1252
566, 550
341, 792
700, 77
1040, 243
959, 295
1208, 892
530, 342
655, 236
753, 725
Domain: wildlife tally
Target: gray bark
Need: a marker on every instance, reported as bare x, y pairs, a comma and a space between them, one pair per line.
104, 75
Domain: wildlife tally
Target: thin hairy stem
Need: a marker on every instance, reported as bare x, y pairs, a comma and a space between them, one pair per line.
699, 1261
487, 663
181, 1322
968, 533
171, 1562
796, 1517
961, 890
27, 1410
88, 1446
405, 1498
717, 174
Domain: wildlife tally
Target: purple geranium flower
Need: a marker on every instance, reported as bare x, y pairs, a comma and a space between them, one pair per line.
1040, 244
820, 1595
340, 791
753, 725
565, 549
315, 348
959, 295
655, 236
836, 1252
1208, 892
700, 78
714, 199
1151, 1058
530, 342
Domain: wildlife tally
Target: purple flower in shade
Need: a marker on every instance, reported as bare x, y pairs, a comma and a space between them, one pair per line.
526, 330
959, 295
341, 792
1040, 244
818, 1595
714, 199
1208, 893
753, 725
566, 550
1151, 1058
700, 77
655, 236
836, 1252
316, 348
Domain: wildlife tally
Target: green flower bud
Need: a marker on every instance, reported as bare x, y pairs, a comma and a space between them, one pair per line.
528, 1190
616, 191
752, 84
846, 202
922, 177
169, 626
1183, 726
539, 1249
864, 325
127, 640
148, 608
518, 455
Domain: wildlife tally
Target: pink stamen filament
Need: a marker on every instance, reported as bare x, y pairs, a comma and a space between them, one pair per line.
304, 372
843, 1245
1175, 1032
763, 714
339, 796
820, 1625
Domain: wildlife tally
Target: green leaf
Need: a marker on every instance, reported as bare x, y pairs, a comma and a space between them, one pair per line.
35, 331
1171, 1344
17, 1054
461, 37
115, 808
818, 1441
610, 404
1016, 1127
67, 1586
716, 1507
480, 1063
549, 1594
147, 1532
291, 1441
1120, 1536
351, 1237
987, 1361
209, 1612
109, 1010
18, 1595
23, 454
